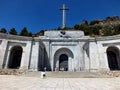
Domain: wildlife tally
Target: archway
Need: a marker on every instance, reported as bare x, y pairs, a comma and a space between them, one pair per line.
113, 58
63, 62
63, 59
15, 57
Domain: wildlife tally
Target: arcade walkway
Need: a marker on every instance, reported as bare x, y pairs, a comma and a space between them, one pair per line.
10, 82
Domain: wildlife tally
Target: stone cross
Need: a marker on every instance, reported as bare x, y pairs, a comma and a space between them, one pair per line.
64, 16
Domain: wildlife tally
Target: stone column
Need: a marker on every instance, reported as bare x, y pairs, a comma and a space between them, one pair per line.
3, 53
94, 61
34, 56
7, 59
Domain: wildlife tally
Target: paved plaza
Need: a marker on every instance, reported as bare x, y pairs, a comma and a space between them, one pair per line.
12, 82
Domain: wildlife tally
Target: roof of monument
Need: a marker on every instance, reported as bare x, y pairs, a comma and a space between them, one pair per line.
60, 36
108, 38
15, 37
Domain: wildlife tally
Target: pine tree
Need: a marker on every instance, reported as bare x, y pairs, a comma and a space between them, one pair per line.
13, 31
24, 32
3, 30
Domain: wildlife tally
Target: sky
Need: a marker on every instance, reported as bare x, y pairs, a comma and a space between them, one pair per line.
39, 15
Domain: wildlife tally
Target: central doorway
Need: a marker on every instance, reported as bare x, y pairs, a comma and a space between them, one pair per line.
63, 62
63, 58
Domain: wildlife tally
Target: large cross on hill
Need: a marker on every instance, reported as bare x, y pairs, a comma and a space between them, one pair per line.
64, 16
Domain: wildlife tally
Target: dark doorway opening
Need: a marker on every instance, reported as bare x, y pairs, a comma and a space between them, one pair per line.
15, 57
113, 56
63, 62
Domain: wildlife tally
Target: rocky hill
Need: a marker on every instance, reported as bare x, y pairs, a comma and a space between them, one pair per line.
109, 26
109, 21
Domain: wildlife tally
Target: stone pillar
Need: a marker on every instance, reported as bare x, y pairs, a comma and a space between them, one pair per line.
3, 53
70, 61
25, 56
94, 61
87, 61
34, 56
7, 59
103, 57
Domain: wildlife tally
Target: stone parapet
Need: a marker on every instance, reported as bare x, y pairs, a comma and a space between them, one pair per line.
64, 34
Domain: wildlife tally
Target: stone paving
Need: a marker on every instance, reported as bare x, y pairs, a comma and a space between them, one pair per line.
12, 82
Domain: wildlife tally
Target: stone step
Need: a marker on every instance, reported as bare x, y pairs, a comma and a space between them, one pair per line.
60, 74
66, 74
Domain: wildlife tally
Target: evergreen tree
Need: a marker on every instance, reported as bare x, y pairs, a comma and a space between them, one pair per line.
3, 30
24, 32
77, 27
30, 34
41, 33
13, 31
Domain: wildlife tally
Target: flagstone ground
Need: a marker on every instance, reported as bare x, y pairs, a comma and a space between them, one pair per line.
12, 82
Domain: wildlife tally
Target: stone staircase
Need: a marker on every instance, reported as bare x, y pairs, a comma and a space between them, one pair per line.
60, 74
65, 74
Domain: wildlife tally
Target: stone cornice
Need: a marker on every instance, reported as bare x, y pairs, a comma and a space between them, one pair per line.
37, 39
107, 38
64, 39
16, 37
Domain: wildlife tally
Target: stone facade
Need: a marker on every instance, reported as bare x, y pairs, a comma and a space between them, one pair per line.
60, 50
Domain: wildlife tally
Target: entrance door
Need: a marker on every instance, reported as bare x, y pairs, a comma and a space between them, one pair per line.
113, 58
63, 62
15, 57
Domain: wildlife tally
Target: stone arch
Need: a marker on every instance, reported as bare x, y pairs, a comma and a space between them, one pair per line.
113, 55
59, 54
15, 57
